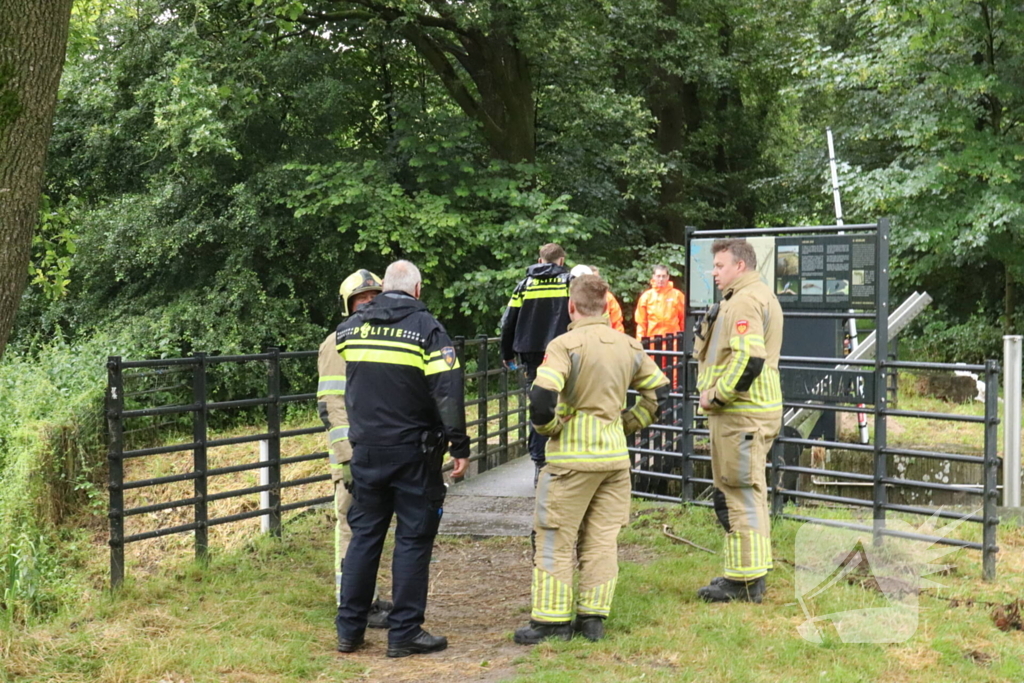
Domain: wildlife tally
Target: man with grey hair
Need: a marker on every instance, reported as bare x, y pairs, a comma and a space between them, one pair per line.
403, 394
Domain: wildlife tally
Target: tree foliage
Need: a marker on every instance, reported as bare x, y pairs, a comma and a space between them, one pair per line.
218, 166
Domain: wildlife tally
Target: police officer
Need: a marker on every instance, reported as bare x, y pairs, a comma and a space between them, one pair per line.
536, 314
583, 491
737, 347
357, 289
403, 393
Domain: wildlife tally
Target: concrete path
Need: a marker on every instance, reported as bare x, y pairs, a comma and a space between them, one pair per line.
498, 502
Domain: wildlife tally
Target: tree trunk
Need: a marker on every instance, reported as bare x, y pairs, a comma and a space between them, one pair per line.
33, 40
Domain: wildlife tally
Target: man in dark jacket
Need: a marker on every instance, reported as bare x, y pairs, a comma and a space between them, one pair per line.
537, 313
403, 395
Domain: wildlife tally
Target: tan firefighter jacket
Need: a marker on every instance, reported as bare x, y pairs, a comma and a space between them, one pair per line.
737, 346
591, 367
330, 400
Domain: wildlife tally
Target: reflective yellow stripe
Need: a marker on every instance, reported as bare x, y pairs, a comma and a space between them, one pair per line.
552, 376
331, 385
583, 457
597, 601
379, 356
440, 365
552, 599
356, 341
652, 381
338, 434
560, 293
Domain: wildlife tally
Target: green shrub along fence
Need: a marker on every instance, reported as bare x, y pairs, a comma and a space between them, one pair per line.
52, 436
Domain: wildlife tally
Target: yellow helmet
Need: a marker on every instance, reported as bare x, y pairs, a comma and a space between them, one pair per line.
357, 282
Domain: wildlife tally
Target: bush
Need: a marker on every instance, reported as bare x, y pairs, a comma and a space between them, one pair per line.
935, 338
51, 458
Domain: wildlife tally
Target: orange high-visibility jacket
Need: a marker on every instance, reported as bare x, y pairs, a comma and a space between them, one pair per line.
614, 313
660, 311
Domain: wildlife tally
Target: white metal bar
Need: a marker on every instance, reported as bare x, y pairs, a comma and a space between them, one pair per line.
264, 481
1011, 419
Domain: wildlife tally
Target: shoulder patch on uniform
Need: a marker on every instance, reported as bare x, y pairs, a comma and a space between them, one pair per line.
742, 326
448, 353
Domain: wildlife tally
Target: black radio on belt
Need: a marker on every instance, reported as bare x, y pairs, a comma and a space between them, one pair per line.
433, 444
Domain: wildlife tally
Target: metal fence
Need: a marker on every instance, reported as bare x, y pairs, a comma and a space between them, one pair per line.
672, 459
167, 406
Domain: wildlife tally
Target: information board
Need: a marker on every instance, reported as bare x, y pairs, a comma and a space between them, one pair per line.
817, 272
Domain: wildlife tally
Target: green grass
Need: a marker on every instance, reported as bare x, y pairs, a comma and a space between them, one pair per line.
659, 631
263, 612
258, 613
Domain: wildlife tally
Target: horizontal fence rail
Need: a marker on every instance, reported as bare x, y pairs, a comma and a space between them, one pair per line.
162, 407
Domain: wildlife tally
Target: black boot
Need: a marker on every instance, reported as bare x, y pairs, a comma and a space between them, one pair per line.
539, 631
379, 612
422, 644
589, 626
349, 644
728, 590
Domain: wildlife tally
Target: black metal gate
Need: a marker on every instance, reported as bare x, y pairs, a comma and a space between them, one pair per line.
149, 403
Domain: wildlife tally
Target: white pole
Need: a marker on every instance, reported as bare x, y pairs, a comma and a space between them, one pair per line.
264, 480
851, 323
1011, 419
835, 178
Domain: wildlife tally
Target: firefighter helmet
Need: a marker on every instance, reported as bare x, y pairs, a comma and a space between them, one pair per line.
356, 283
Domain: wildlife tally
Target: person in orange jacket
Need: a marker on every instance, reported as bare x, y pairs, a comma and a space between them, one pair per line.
614, 309
661, 310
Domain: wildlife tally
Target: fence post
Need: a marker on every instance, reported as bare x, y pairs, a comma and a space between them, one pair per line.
658, 435
990, 517
115, 469
1012, 418
686, 494
777, 498
274, 438
503, 409
880, 494
199, 465
482, 408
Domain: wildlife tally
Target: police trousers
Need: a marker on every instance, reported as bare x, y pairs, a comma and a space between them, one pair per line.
740, 443
535, 441
390, 481
581, 511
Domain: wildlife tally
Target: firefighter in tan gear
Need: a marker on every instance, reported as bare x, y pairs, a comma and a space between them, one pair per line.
357, 289
737, 345
583, 491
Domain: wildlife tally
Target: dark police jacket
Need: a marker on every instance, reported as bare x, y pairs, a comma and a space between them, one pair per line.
537, 312
402, 375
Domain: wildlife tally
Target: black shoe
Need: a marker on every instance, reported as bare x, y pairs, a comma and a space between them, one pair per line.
728, 590
420, 645
590, 627
379, 612
539, 631
350, 644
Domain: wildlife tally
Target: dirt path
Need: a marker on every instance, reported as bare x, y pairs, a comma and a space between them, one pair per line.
479, 594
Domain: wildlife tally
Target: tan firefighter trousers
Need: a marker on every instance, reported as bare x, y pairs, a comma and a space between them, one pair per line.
740, 443
591, 507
